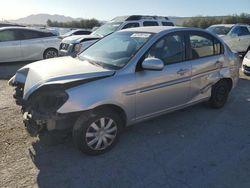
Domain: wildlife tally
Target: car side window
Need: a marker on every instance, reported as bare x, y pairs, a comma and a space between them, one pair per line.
170, 49
150, 23
201, 46
167, 24
27, 34
82, 33
218, 47
131, 25
47, 34
7, 35
241, 31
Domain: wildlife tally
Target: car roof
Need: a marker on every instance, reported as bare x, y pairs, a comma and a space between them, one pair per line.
140, 17
24, 28
226, 25
230, 25
153, 29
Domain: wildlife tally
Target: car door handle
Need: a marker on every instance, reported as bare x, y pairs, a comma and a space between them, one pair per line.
182, 71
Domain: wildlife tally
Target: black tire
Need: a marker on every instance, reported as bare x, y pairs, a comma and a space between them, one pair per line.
50, 53
84, 124
219, 94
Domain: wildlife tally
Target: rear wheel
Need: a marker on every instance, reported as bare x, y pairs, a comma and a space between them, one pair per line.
219, 94
50, 53
98, 132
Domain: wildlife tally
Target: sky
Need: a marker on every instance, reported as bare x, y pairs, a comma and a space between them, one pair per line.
106, 10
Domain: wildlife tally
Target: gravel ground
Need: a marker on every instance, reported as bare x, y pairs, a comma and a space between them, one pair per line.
194, 147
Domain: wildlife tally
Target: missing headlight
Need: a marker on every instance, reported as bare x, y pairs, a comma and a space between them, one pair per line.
49, 102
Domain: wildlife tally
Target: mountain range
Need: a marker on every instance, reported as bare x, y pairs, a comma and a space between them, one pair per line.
41, 19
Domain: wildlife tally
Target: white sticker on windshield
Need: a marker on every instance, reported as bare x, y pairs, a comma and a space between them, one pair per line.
140, 35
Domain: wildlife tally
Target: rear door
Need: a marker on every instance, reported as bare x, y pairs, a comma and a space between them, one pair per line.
206, 58
158, 91
32, 45
9, 46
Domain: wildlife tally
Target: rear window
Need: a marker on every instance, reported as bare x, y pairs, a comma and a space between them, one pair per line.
150, 23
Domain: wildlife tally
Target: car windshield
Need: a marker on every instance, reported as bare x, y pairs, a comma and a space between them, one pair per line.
115, 51
220, 30
107, 28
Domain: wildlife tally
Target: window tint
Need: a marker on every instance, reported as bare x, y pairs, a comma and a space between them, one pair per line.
204, 45
241, 31
218, 48
170, 49
167, 24
47, 34
150, 23
28, 34
82, 33
7, 35
131, 25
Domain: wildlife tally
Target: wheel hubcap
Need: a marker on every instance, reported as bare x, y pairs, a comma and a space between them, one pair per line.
101, 133
50, 54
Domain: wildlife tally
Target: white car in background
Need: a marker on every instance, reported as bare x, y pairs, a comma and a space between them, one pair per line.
26, 44
236, 36
246, 64
73, 45
76, 32
220, 29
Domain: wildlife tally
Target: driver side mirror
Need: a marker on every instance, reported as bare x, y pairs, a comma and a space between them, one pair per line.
152, 64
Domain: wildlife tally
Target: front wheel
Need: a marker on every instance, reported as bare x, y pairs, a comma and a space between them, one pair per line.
97, 132
219, 94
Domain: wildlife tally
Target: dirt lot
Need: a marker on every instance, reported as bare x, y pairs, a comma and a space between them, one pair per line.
194, 147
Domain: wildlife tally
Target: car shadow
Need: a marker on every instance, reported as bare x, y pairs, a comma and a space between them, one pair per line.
7, 70
193, 147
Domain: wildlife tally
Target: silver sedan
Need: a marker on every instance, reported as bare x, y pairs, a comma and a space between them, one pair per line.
127, 77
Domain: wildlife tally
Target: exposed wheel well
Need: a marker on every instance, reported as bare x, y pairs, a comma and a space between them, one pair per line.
116, 108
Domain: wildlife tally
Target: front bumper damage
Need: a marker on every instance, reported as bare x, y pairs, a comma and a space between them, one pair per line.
37, 120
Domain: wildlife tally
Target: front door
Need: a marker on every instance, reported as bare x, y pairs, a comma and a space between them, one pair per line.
158, 91
10, 49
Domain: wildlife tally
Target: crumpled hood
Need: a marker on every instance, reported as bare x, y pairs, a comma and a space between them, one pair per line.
78, 38
58, 71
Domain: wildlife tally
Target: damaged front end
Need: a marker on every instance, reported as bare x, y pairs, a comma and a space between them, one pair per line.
40, 109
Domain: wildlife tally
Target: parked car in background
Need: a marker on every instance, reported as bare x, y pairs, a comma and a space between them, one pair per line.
127, 77
75, 44
237, 38
220, 29
76, 32
25, 44
246, 64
